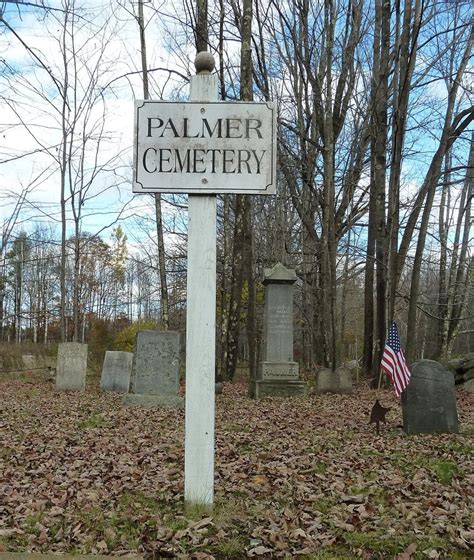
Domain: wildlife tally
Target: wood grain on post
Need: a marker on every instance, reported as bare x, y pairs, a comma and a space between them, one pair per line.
201, 323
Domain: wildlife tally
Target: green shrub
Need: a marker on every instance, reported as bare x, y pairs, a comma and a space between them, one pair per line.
125, 339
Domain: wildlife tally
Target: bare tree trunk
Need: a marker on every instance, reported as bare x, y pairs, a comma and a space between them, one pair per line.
379, 151
443, 226
76, 287
328, 238
201, 26
461, 263
158, 213
246, 94
249, 264
236, 290
451, 130
225, 298
2, 292
63, 164
406, 44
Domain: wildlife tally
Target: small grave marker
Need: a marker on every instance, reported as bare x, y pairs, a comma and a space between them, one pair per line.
116, 371
71, 366
429, 401
155, 374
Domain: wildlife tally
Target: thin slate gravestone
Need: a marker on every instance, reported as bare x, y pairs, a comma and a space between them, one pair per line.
116, 371
429, 402
71, 366
155, 374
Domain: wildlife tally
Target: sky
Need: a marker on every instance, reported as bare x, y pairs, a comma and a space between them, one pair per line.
31, 108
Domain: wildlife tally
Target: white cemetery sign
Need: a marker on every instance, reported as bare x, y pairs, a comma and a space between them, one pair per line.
204, 147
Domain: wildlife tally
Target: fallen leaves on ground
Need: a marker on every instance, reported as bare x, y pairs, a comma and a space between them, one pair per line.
82, 473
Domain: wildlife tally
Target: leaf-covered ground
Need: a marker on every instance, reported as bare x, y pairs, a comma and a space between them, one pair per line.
82, 473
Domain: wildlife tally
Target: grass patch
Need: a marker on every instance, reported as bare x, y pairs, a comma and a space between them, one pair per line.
125, 530
323, 505
231, 548
245, 448
136, 502
176, 523
237, 429
444, 470
231, 510
31, 521
320, 468
331, 553
93, 519
370, 475
30, 390
197, 511
388, 546
462, 448
94, 421
5, 453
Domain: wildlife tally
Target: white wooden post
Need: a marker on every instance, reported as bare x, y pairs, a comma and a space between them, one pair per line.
201, 323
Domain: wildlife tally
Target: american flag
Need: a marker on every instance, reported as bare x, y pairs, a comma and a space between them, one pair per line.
393, 361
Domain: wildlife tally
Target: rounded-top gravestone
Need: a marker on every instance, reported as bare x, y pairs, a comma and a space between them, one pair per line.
324, 381
429, 402
344, 379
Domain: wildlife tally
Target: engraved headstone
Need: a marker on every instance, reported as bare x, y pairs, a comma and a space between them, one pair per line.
329, 381
71, 366
116, 371
278, 372
429, 402
155, 374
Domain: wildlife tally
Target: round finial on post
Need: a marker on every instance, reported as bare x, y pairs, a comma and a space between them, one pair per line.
204, 62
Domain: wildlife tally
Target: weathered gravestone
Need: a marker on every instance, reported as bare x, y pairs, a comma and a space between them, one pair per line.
277, 372
155, 373
344, 379
329, 381
71, 366
116, 371
324, 381
463, 369
29, 361
468, 385
429, 403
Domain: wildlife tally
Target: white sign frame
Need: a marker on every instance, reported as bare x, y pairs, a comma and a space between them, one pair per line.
207, 148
